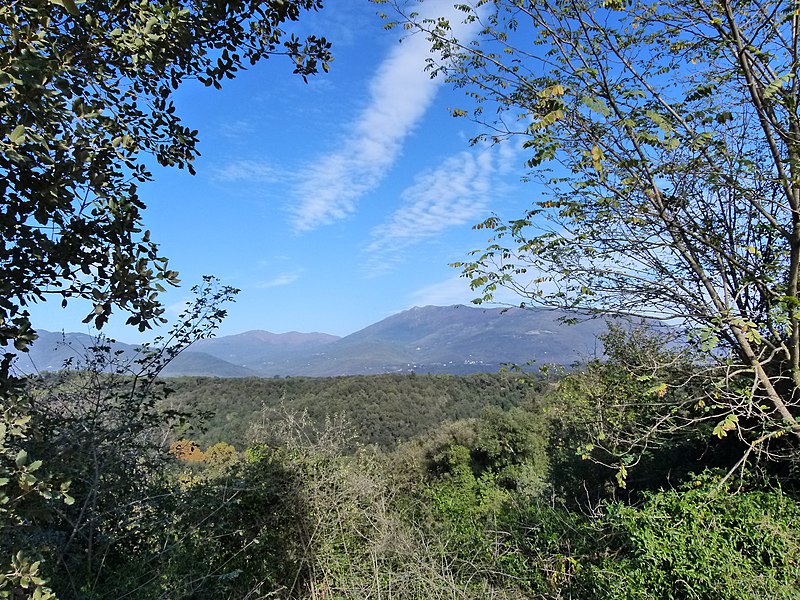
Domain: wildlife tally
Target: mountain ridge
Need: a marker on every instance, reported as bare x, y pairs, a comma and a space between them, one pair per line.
454, 339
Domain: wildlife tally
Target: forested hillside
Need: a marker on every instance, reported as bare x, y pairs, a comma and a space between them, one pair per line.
383, 409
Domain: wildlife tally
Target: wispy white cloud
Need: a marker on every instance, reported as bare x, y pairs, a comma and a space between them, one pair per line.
278, 281
249, 171
455, 290
456, 193
400, 94
176, 308
269, 263
236, 130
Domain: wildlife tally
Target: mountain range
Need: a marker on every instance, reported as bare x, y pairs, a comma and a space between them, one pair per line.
432, 339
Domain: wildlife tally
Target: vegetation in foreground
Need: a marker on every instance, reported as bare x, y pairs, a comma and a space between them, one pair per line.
537, 500
657, 474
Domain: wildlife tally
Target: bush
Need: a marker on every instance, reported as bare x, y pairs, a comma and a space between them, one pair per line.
704, 541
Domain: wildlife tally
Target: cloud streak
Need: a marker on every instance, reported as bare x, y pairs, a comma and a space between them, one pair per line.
456, 193
278, 281
249, 171
400, 94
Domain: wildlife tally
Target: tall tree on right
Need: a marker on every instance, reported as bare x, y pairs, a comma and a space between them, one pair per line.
665, 136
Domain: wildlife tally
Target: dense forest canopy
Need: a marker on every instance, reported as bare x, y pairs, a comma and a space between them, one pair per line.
400, 486
383, 409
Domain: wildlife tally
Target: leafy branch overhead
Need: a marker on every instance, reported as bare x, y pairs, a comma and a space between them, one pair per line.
85, 105
85, 101
665, 137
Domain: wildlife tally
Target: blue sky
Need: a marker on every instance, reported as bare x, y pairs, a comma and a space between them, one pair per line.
332, 204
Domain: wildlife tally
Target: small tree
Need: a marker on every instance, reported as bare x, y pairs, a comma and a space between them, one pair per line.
666, 140
102, 425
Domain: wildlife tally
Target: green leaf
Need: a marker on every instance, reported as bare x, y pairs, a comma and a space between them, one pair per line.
18, 135
659, 120
729, 423
597, 105
27, 480
776, 85
68, 5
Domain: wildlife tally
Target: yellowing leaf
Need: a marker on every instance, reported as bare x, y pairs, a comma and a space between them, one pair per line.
553, 91
622, 475
597, 158
729, 423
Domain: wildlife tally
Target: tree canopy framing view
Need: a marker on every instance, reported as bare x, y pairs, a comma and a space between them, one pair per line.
666, 139
85, 103
86, 99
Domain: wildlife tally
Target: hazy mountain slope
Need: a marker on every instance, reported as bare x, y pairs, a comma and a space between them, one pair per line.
52, 351
55, 351
458, 339
203, 364
432, 339
262, 351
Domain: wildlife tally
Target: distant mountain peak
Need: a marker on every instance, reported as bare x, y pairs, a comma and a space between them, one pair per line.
452, 339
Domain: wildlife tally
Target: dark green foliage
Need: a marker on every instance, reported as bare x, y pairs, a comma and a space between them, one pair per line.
462, 509
85, 106
509, 446
599, 490
236, 534
100, 431
637, 420
513, 445
384, 409
462, 483
707, 540
298, 519
508, 503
